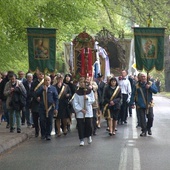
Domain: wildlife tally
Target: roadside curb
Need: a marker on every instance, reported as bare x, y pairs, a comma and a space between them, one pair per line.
12, 142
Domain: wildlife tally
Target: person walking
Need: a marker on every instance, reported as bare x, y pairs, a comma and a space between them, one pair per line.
100, 92
3, 97
28, 84
35, 101
69, 82
21, 77
126, 91
48, 107
142, 96
13, 91
64, 94
112, 104
90, 83
82, 104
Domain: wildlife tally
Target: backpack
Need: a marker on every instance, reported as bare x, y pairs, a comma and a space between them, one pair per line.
18, 99
22, 98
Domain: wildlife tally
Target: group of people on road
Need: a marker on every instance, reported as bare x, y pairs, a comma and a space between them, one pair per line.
40, 99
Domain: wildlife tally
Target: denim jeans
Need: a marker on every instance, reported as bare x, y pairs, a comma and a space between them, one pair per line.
12, 114
6, 113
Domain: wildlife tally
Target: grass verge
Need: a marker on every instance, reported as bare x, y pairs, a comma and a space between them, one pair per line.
166, 94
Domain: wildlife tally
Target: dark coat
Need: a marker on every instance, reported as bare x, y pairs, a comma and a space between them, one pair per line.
18, 99
28, 89
117, 100
2, 87
63, 110
100, 91
34, 103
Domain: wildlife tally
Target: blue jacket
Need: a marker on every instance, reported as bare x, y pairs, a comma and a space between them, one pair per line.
52, 97
137, 97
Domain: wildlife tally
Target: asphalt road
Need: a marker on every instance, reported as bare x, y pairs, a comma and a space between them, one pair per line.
124, 151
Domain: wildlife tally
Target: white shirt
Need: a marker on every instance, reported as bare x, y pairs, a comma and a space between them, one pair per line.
78, 105
125, 86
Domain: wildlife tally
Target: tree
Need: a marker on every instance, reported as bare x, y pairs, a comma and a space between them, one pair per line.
70, 18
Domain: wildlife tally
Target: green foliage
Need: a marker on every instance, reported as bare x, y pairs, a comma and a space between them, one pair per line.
161, 76
70, 17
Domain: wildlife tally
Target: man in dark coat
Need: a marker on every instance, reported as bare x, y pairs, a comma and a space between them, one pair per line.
28, 84
48, 107
35, 101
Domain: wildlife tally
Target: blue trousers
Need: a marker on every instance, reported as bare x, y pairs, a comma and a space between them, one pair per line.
12, 114
6, 113
46, 122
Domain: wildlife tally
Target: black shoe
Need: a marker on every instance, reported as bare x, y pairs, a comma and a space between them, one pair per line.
18, 130
143, 134
149, 132
137, 126
94, 133
36, 135
58, 135
12, 130
110, 133
48, 138
7, 126
125, 121
42, 137
65, 133
68, 128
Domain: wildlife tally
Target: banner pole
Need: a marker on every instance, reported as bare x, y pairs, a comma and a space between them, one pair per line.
147, 108
45, 96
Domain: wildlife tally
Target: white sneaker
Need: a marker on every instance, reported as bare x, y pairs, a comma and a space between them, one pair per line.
89, 140
81, 143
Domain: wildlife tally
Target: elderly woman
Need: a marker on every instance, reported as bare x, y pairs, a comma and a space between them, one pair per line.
112, 104
64, 93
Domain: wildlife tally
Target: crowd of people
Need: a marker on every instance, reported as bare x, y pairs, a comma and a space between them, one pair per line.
38, 99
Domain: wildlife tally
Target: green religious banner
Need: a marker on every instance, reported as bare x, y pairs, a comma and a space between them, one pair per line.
149, 48
42, 49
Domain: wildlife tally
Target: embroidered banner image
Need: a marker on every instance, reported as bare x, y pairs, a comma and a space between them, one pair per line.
149, 48
42, 49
